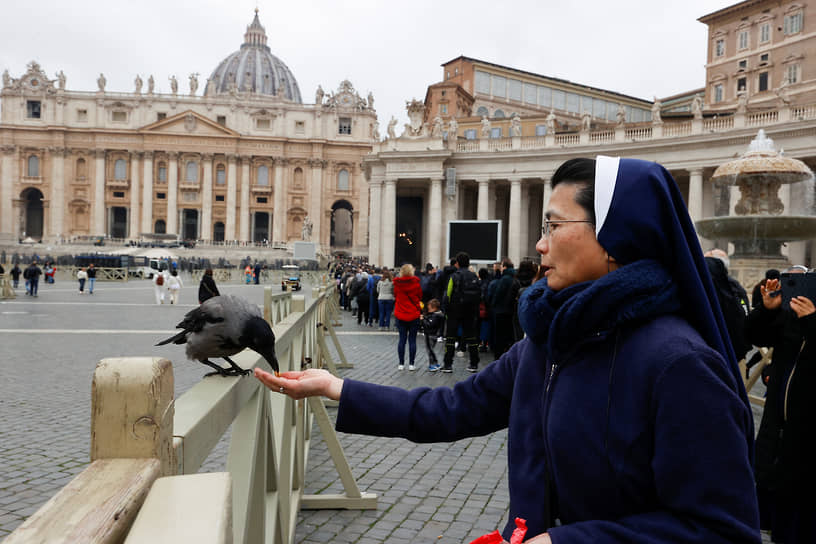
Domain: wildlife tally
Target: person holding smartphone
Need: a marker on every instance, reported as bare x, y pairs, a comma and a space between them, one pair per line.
784, 469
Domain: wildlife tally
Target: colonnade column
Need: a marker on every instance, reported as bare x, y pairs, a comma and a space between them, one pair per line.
695, 196
375, 222
172, 194
279, 199
7, 170
361, 224
57, 191
436, 233
147, 192
389, 222
483, 200
135, 159
514, 222
232, 180
205, 227
524, 222
316, 197
244, 210
98, 225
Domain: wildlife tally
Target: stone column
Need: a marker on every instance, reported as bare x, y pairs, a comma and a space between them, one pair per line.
147, 191
279, 199
514, 221
375, 222
135, 157
244, 211
172, 193
491, 201
315, 201
483, 201
361, 224
695, 196
57, 192
389, 222
524, 219
98, 224
8, 173
436, 230
205, 223
232, 185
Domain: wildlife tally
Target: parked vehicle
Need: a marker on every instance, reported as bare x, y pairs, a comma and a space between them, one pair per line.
291, 278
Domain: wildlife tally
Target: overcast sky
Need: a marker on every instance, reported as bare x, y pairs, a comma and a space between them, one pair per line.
641, 48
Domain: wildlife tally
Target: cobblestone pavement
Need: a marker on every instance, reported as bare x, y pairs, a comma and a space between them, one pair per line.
442, 493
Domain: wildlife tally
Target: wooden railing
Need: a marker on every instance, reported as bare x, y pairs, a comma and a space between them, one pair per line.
146, 448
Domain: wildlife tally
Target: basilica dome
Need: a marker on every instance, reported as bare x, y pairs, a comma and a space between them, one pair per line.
253, 68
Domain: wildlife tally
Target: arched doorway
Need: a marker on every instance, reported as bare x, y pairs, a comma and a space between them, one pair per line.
33, 217
342, 226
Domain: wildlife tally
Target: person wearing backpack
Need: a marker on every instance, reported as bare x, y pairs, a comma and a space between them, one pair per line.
462, 309
503, 304
159, 279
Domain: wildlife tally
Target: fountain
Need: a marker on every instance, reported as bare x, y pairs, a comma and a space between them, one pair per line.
767, 188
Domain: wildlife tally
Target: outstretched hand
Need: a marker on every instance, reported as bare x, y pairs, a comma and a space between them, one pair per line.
771, 303
307, 383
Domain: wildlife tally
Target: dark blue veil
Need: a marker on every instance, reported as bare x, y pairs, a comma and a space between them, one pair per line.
640, 214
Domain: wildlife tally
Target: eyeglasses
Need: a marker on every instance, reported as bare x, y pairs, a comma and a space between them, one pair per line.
547, 227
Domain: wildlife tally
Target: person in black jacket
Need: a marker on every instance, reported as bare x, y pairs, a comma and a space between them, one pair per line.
731, 306
461, 306
15, 275
207, 288
785, 471
503, 304
433, 324
32, 276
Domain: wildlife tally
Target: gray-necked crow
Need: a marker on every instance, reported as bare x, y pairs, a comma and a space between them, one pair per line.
222, 326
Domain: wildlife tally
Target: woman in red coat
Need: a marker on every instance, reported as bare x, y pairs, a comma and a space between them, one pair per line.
407, 297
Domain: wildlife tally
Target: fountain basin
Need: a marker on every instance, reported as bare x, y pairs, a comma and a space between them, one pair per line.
782, 228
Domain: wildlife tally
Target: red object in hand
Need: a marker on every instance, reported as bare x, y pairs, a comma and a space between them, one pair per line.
519, 532
492, 538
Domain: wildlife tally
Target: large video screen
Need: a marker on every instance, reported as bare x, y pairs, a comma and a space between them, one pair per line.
479, 239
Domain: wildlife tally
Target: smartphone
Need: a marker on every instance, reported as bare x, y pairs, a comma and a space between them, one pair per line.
795, 285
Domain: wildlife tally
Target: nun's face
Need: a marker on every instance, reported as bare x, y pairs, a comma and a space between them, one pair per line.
571, 253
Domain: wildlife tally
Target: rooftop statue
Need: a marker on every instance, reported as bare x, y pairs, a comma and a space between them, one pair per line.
101, 81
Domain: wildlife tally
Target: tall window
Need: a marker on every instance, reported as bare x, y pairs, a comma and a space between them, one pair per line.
81, 169
482, 111
718, 93
763, 82
120, 169
33, 166
541, 130
220, 175
33, 109
792, 72
191, 172
496, 132
742, 84
470, 134
742, 40
765, 33
343, 180
263, 175
719, 48
793, 23
344, 125
162, 172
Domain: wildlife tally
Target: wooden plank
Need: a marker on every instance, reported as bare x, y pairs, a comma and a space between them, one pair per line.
96, 507
194, 509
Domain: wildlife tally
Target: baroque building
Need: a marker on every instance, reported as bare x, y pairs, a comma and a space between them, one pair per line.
243, 161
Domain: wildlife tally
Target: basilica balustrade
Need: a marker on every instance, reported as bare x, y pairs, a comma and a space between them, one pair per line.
640, 132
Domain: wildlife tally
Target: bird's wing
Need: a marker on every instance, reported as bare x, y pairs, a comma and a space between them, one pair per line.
193, 322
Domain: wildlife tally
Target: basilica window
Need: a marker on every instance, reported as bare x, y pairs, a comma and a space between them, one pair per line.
161, 196
718, 93
792, 73
33, 170
742, 84
81, 169
191, 172
742, 40
496, 132
298, 178
793, 23
120, 169
470, 134
82, 115
220, 175
263, 176
719, 47
344, 125
118, 194
262, 123
33, 109
300, 127
222, 120
119, 117
541, 130
162, 172
160, 227
261, 200
343, 180
763, 82
765, 33
161, 116
219, 198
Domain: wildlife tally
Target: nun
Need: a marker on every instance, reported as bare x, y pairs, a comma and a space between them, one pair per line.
627, 417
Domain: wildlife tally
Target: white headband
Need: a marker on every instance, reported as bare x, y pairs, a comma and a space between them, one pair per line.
606, 173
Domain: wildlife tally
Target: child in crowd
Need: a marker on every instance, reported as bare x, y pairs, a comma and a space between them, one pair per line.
433, 323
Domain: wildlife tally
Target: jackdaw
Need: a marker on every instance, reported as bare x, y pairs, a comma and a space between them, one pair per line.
222, 326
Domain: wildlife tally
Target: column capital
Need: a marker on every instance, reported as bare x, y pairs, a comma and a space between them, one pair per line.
8, 149
695, 171
172, 155
514, 179
390, 180
148, 155
58, 151
100, 153
482, 180
207, 157
376, 182
135, 154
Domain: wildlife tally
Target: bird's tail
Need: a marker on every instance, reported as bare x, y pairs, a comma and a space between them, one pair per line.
180, 338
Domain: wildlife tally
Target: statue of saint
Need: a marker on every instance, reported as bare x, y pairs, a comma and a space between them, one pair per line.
6, 78
138, 83
370, 100
697, 106
61, 79
620, 116
150, 84
550, 122
306, 229
319, 94
375, 131
392, 125
453, 128
193, 84
436, 131
485, 131
173, 85
742, 102
586, 121
515, 125
101, 81
656, 120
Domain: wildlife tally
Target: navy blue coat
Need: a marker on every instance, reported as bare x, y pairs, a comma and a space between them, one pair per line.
636, 436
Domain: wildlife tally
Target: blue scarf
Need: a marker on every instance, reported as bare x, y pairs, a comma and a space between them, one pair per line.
559, 320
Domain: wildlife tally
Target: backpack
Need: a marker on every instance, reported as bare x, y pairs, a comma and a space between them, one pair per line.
467, 289
159, 280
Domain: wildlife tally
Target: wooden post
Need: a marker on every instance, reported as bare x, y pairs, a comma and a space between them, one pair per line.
132, 410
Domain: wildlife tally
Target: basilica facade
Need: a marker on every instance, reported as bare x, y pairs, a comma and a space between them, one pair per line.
242, 160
